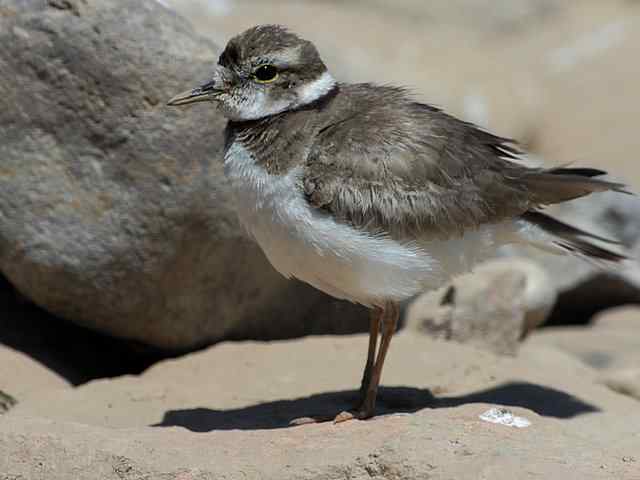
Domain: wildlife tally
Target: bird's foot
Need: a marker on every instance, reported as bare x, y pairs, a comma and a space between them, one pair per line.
343, 416
365, 408
296, 422
363, 411
360, 414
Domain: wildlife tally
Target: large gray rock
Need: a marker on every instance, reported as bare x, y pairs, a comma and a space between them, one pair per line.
114, 212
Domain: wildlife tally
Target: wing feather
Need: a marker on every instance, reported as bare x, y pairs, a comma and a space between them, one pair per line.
386, 163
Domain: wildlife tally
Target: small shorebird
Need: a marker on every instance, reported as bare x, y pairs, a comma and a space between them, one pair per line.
368, 195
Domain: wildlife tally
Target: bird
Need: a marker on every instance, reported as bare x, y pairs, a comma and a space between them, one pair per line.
369, 195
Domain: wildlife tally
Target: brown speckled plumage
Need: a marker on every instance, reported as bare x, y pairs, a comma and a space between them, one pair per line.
381, 161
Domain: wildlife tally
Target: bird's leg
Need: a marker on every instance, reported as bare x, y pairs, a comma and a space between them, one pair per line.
387, 318
390, 315
389, 323
375, 318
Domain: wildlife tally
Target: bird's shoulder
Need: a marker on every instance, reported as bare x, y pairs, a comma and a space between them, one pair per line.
384, 161
382, 131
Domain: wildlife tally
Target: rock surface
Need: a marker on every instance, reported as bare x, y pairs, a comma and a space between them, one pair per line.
114, 212
212, 421
495, 307
610, 346
626, 382
22, 376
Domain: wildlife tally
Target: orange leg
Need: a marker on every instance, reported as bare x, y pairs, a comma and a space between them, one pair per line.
389, 319
375, 320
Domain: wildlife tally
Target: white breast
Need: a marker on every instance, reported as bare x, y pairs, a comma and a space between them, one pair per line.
309, 244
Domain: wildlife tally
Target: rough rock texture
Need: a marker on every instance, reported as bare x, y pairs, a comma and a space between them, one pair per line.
440, 444
495, 307
212, 421
113, 209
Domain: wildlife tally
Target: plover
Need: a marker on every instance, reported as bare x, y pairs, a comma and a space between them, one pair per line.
369, 195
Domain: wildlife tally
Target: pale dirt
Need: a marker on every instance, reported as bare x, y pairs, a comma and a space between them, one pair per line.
223, 413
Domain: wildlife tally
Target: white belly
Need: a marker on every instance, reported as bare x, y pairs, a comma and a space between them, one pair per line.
309, 244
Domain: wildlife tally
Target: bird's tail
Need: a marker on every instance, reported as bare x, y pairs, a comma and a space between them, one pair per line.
557, 185
562, 184
574, 240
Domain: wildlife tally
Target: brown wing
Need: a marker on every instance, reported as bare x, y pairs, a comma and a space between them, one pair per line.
388, 164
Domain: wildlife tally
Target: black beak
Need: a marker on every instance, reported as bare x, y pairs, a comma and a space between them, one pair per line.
207, 92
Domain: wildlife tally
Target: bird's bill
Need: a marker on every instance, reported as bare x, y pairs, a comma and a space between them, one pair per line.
204, 93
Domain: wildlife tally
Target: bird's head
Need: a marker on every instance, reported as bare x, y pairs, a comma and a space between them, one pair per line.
263, 71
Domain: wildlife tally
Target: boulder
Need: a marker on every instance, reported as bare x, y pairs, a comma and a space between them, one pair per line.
495, 307
114, 212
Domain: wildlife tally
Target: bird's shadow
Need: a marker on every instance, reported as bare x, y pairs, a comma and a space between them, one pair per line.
544, 401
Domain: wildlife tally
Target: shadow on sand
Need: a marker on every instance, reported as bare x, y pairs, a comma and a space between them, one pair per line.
544, 401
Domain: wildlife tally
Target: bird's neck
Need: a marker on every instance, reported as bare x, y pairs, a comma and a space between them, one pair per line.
279, 142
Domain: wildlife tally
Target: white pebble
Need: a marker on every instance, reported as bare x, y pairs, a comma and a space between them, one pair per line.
502, 416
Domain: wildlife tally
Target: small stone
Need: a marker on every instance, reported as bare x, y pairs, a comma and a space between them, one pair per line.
503, 416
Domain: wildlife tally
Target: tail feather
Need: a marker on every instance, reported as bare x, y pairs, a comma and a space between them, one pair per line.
573, 239
561, 184
583, 172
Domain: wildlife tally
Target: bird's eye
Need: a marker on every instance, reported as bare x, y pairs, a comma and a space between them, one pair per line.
265, 74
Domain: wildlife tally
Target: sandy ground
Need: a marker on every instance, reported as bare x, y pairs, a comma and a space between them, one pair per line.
224, 413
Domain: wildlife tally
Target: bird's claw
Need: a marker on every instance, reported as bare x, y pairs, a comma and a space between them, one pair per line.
347, 415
